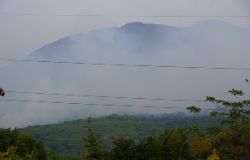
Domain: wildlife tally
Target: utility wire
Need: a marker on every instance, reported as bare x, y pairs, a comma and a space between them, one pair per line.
121, 64
85, 104
125, 16
102, 96
102, 105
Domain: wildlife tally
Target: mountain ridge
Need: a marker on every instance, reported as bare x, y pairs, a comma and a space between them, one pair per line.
136, 24
130, 44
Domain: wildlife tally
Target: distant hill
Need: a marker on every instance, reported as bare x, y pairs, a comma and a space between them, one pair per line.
208, 43
66, 138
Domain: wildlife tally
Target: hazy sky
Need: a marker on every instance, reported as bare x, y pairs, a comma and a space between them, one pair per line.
21, 34
26, 25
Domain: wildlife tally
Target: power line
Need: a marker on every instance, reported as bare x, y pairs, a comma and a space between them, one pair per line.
86, 104
59, 15
102, 105
121, 64
102, 96
183, 16
125, 16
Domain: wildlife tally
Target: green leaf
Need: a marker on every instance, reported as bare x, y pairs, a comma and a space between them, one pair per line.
194, 109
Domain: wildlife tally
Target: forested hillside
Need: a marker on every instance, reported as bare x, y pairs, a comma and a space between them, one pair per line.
67, 138
224, 136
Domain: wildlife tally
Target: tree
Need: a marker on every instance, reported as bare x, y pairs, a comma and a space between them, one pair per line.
10, 154
123, 149
194, 109
200, 146
92, 144
21, 145
214, 156
147, 149
174, 145
232, 140
231, 112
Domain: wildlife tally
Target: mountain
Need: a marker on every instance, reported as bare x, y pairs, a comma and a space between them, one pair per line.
208, 43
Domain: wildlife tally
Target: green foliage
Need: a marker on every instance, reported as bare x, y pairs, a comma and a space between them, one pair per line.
123, 149
232, 140
148, 148
236, 92
171, 145
231, 112
142, 138
66, 138
21, 145
127, 149
232, 144
175, 145
201, 146
194, 109
10, 154
93, 146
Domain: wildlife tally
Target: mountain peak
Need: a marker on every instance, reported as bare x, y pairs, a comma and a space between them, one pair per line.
133, 24
141, 27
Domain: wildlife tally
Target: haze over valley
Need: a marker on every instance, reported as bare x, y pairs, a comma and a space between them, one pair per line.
107, 63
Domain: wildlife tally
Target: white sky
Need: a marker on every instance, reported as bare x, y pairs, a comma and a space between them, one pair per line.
22, 34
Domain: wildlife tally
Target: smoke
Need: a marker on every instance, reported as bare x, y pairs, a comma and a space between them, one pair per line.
207, 44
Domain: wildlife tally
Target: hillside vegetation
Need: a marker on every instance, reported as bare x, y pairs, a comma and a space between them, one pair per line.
140, 138
67, 138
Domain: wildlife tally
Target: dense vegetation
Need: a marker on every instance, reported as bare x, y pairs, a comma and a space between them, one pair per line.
230, 141
143, 138
66, 138
15, 146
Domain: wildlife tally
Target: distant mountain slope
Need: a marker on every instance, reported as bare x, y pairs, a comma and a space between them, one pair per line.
208, 43
66, 138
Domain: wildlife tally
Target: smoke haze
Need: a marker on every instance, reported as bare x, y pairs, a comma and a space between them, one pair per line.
210, 43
